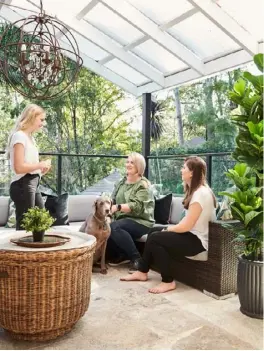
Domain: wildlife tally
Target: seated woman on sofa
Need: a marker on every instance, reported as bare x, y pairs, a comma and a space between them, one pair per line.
187, 238
133, 212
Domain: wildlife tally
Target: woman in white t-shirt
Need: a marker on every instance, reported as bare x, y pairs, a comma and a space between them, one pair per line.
187, 238
24, 160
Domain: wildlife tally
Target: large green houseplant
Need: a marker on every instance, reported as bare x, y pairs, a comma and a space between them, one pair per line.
247, 200
37, 220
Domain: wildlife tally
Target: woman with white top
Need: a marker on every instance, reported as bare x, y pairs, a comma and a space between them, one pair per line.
24, 160
187, 238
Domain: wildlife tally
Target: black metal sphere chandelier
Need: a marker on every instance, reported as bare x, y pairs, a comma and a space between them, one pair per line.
39, 56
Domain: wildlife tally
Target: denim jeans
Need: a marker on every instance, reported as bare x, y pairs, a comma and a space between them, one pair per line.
25, 194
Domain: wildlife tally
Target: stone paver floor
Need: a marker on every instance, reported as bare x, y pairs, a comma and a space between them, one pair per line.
124, 315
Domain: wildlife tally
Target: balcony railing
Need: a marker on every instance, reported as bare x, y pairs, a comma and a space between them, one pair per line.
73, 173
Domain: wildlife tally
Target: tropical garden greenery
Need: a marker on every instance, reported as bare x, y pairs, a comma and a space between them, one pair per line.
92, 119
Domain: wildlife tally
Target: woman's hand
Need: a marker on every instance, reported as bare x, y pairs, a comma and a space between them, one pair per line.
113, 209
45, 166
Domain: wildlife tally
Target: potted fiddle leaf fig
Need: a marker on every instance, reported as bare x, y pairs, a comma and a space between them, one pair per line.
247, 200
37, 220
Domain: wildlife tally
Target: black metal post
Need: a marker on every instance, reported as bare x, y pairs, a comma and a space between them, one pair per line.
146, 114
209, 169
59, 167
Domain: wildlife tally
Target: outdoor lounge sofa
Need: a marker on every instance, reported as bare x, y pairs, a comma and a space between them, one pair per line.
214, 274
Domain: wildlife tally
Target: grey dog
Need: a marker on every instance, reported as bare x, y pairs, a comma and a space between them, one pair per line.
98, 225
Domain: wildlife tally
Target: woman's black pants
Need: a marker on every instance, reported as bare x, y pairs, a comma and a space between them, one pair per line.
164, 246
25, 194
124, 232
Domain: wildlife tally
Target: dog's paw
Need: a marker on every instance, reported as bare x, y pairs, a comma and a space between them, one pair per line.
103, 270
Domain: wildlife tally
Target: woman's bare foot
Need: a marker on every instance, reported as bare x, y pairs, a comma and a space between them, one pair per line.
136, 276
163, 287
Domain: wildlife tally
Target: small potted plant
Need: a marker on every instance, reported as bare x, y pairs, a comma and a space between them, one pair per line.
37, 220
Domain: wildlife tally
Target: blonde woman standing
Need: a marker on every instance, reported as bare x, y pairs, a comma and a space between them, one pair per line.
133, 212
24, 160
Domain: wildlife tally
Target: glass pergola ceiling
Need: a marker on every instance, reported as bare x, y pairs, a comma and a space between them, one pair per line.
145, 45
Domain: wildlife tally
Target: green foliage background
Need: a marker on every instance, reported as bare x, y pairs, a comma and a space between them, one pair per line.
89, 120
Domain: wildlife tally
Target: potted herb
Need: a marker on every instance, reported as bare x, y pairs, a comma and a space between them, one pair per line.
247, 200
37, 220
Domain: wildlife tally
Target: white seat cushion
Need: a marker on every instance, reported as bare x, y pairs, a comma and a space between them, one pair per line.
80, 206
202, 256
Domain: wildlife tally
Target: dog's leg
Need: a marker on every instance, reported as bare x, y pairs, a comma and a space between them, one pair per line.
103, 265
82, 229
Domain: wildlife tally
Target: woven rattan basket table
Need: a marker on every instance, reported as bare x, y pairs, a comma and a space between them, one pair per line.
44, 292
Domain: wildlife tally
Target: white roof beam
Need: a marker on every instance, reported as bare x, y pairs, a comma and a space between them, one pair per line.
126, 48
227, 62
224, 63
103, 41
227, 24
5, 2
94, 35
130, 14
143, 39
178, 19
109, 75
87, 8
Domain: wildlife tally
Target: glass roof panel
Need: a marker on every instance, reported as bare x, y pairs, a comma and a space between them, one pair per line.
203, 37
162, 11
89, 49
69, 8
126, 71
157, 56
112, 25
25, 5
248, 14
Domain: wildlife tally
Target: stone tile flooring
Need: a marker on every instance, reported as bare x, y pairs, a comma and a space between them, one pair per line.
124, 315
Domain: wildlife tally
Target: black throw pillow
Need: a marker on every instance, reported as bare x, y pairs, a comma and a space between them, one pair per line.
162, 209
58, 208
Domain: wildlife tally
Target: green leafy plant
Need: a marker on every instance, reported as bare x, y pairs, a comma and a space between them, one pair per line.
247, 175
37, 220
247, 207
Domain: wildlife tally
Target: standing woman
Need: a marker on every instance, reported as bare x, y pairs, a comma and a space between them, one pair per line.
24, 160
187, 238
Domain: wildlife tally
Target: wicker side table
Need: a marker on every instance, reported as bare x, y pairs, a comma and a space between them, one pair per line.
44, 293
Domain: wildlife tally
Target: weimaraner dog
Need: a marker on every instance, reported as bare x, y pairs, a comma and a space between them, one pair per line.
98, 225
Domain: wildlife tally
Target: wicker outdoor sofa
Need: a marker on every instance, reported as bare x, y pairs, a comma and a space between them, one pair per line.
214, 273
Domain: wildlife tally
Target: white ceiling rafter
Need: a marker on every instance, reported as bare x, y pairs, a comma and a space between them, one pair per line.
5, 2
227, 24
178, 19
86, 9
12, 16
145, 25
94, 35
144, 38
126, 48
227, 62
129, 70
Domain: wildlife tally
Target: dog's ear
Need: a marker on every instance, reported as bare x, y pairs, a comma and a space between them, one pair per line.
95, 205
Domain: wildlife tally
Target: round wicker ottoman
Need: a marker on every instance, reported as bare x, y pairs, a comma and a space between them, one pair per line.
44, 293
